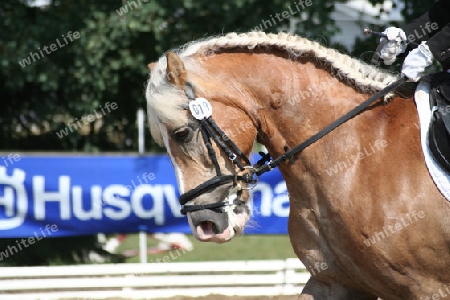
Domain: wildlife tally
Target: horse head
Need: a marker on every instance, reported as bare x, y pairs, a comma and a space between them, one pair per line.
211, 168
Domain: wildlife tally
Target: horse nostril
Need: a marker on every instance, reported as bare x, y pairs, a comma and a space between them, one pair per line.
239, 209
216, 229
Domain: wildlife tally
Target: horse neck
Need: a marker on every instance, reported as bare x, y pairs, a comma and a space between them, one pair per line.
290, 101
296, 100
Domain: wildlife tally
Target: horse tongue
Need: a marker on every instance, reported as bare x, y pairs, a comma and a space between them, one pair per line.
204, 231
207, 228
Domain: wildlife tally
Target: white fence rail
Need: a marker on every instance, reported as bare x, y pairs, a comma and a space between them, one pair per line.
154, 280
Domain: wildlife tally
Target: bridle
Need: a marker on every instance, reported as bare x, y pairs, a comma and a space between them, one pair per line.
201, 110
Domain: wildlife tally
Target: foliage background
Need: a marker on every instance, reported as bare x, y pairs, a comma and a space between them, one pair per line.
108, 63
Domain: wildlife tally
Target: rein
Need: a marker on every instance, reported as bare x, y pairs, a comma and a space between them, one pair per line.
201, 110
349, 115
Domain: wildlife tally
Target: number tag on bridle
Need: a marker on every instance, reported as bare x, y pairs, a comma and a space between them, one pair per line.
200, 108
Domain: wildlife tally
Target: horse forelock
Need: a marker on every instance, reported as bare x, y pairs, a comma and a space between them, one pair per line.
164, 101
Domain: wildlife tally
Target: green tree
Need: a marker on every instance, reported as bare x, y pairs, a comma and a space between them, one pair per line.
107, 63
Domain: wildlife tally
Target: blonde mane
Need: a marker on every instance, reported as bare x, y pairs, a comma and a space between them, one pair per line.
362, 76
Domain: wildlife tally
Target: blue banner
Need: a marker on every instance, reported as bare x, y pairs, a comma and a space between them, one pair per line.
80, 195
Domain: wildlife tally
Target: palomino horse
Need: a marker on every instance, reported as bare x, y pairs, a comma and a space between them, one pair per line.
362, 204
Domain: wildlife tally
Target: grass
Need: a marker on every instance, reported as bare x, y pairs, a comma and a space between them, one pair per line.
246, 247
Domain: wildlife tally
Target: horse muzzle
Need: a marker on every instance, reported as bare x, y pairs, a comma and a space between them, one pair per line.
218, 226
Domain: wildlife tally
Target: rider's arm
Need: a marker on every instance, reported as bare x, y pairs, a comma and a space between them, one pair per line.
434, 27
439, 45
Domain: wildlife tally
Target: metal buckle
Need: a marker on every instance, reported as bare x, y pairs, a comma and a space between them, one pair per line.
253, 183
232, 157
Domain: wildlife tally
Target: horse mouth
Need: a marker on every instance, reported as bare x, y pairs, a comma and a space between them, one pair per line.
207, 231
211, 230
207, 226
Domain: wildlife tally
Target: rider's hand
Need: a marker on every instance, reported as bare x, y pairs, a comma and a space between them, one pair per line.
416, 62
394, 44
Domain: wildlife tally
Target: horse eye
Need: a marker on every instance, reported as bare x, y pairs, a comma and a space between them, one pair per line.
183, 134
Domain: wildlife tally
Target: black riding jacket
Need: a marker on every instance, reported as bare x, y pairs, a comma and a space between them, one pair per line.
433, 27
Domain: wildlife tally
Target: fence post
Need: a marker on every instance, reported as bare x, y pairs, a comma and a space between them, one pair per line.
141, 137
141, 149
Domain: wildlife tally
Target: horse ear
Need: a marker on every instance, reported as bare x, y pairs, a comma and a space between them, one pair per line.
151, 66
176, 73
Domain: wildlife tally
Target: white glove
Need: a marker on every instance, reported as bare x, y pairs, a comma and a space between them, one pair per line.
416, 62
396, 44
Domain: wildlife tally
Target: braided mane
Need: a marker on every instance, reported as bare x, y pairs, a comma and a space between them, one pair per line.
360, 75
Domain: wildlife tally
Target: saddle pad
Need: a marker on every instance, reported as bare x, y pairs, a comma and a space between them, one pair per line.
439, 176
